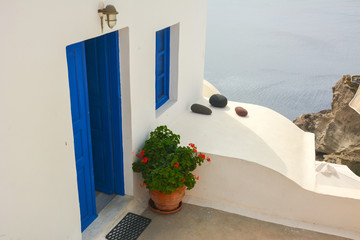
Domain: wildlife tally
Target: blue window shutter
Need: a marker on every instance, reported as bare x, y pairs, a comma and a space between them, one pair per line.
162, 66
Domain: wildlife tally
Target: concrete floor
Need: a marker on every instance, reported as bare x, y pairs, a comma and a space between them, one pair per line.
102, 200
194, 222
109, 217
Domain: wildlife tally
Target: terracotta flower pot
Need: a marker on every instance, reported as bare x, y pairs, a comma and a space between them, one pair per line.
167, 202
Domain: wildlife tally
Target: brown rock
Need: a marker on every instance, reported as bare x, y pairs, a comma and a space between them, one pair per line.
336, 130
242, 112
350, 158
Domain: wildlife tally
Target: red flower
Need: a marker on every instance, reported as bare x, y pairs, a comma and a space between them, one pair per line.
145, 159
208, 159
142, 153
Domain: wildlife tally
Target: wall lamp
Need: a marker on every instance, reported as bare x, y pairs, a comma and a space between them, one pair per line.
110, 13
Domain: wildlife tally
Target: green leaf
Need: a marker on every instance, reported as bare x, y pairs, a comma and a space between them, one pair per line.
163, 152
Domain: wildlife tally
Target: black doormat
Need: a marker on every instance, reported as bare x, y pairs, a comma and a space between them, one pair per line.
129, 228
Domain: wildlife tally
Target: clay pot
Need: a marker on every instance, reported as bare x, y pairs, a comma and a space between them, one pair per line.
167, 202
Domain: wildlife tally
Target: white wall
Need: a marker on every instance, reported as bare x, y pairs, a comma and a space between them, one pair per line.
263, 166
355, 102
209, 89
249, 189
191, 18
37, 167
191, 61
264, 137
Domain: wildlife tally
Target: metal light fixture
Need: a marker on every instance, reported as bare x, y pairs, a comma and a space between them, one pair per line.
110, 13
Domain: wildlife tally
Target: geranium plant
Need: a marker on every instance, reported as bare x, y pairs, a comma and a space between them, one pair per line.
166, 166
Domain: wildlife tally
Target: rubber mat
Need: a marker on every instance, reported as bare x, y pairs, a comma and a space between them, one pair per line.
129, 228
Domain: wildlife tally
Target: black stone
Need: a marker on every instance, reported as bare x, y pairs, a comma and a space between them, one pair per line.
218, 100
198, 108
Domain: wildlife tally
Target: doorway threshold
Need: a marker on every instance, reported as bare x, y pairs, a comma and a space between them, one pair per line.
102, 200
111, 215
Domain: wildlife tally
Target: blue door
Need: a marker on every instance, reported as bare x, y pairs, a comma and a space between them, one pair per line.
81, 129
100, 114
94, 80
103, 74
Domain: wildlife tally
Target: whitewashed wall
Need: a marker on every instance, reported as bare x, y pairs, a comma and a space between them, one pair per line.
191, 16
355, 102
37, 166
263, 166
252, 190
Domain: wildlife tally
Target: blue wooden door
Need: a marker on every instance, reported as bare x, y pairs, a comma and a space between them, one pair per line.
98, 62
81, 130
103, 70
112, 45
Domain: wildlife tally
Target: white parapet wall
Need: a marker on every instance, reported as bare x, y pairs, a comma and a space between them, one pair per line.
209, 89
249, 189
263, 166
355, 102
264, 137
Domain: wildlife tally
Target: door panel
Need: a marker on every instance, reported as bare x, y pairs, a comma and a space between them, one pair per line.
112, 42
100, 113
81, 125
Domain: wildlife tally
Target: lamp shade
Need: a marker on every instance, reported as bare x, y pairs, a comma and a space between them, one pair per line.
110, 12
111, 19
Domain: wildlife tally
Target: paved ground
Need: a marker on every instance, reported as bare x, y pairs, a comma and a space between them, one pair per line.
194, 222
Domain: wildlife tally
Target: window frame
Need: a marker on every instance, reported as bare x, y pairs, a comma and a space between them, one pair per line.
162, 67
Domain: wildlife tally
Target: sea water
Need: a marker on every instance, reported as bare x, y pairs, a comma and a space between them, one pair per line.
282, 54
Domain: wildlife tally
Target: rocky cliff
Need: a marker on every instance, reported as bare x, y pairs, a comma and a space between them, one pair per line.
337, 131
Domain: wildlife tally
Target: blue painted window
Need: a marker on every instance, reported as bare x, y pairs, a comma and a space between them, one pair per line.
162, 66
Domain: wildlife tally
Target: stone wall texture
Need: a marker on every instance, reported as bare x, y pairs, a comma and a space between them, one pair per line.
337, 131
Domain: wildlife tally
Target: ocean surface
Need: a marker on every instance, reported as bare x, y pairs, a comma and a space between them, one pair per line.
282, 54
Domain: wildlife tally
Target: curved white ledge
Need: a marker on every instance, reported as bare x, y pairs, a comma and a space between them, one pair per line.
263, 137
263, 166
